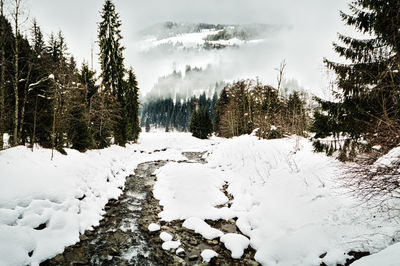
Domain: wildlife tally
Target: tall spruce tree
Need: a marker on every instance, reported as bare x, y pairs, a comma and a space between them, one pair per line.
112, 65
132, 106
111, 50
368, 86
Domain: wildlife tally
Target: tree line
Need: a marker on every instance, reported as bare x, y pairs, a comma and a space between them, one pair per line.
247, 105
175, 113
46, 99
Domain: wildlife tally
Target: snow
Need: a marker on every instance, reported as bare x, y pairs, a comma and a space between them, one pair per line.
67, 196
190, 190
168, 245
236, 243
390, 256
388, 159
153, 227
201, 227
6, 139
208, 254
193, 40
165, 236
179, 251
377, 147
290, 205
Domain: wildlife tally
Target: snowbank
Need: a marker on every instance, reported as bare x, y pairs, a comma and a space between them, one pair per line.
190, 190
390, 256
208, 254
202, 228
45, 205
289, 204
236, 243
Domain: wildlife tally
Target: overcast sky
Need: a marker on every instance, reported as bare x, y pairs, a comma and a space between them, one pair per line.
315, 22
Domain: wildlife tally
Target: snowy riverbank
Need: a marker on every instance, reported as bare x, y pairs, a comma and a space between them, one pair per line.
45, 204
289, 206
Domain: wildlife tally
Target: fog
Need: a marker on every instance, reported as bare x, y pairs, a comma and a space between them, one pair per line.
311, 28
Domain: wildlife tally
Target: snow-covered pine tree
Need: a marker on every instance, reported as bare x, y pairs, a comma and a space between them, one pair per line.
368, 86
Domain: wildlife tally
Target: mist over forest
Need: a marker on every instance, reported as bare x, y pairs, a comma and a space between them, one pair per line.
190, 58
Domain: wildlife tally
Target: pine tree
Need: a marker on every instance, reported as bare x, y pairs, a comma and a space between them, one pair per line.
111, 57
112, 67
38, 43
200, 124
78, 129
132, 106
369, 86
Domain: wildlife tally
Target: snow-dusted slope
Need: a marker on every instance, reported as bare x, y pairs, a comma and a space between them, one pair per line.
204, 36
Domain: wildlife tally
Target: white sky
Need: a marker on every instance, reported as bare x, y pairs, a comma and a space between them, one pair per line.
315, 24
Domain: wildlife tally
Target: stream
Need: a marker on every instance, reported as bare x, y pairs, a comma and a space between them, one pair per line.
122, 237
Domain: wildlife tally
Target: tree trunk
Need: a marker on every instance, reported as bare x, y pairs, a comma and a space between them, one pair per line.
34, 124
53, 131
55, 109
21, 124
2, 77
16, 77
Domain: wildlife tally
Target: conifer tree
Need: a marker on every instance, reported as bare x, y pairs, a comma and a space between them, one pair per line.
112, 67
368, 86
111, 57
78, 129
132, 106
200, 124
38, 43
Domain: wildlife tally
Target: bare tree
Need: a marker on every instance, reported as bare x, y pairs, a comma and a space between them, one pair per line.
377, 184
281, 74
2, 74
16, 18
25, 98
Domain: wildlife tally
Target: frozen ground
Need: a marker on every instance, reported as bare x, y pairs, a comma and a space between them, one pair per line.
288, 205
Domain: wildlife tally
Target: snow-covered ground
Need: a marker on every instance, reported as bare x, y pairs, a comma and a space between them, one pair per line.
289, 206
66, 196
193, 40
